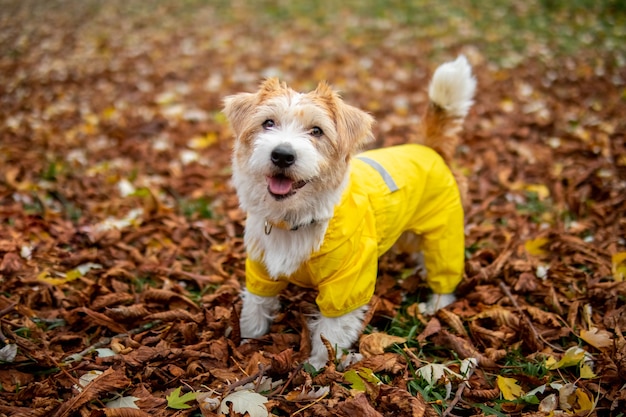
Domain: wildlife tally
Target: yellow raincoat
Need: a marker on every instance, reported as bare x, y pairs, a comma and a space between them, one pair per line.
391, 190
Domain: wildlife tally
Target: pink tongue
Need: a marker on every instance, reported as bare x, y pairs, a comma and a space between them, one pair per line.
279, 185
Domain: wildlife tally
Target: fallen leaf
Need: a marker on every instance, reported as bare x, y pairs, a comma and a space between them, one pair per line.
434, 373
376, 343
618, 265
245, 401
583, 402
586, 372
307, 395
573, 356
177, 401
509, 388
535, 247
597, 338
123, 402
8, 353
548, 404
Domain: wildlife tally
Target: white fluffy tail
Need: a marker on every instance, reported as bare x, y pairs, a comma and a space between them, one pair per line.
452, 87
451, 94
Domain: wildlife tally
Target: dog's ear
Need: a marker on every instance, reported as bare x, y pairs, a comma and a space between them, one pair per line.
354, 126
270, 87
237, 109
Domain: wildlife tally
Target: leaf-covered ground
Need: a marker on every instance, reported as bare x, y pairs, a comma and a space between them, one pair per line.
121, 255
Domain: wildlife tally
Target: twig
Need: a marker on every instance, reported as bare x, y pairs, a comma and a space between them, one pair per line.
279, 391
508, 293
244, 381
459, 393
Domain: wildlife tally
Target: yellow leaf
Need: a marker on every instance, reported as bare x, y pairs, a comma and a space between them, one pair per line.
583, 400
586, 372
509, 388
201, 142
534, 246
109, 113
596, 337
69, 276
45, 277
572, 357
541, 190
618, 261
72, 275
550, 362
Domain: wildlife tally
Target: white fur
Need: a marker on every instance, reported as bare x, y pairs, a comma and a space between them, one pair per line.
282, 251
341, 332
453, 86
436, 302
257, 314
307, 164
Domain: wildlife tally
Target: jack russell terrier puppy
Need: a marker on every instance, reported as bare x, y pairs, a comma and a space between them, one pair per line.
319, 215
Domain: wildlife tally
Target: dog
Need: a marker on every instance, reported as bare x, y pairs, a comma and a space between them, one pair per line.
319, 214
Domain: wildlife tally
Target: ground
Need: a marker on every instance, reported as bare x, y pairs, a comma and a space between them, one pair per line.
121, 256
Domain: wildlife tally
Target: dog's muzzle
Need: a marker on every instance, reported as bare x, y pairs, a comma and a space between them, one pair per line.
280, 185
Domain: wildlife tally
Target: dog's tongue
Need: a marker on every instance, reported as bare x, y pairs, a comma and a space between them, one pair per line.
279, 184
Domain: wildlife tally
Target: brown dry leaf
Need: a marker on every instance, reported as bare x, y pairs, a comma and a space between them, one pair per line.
502, 316
432, 327
453, 321
109, 381
141, 356
127, 313
175, 315
99, 319
283, 362
400, 402
168, 298
112, 299
357, 406
376, 343
596, 337
464, 348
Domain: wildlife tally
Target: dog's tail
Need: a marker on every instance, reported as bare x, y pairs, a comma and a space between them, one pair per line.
451, 94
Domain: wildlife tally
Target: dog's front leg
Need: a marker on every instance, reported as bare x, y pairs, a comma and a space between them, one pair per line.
340, 331
257, 314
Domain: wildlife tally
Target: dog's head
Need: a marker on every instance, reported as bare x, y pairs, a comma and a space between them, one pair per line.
291, 146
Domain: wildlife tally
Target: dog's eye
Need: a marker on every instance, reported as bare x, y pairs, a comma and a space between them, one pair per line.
268, 124
316, 131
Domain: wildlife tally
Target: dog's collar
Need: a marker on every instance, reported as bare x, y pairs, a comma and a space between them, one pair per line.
284, 225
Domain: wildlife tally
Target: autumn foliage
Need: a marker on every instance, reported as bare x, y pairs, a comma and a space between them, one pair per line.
121, 257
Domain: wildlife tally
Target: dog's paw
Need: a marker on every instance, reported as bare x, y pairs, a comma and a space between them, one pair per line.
436, 302
348, 360
318, 361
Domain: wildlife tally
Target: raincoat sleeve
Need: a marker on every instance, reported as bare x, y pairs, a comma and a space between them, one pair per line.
347, 276
259, 282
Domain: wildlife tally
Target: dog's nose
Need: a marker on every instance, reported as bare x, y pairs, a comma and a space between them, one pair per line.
283, 156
